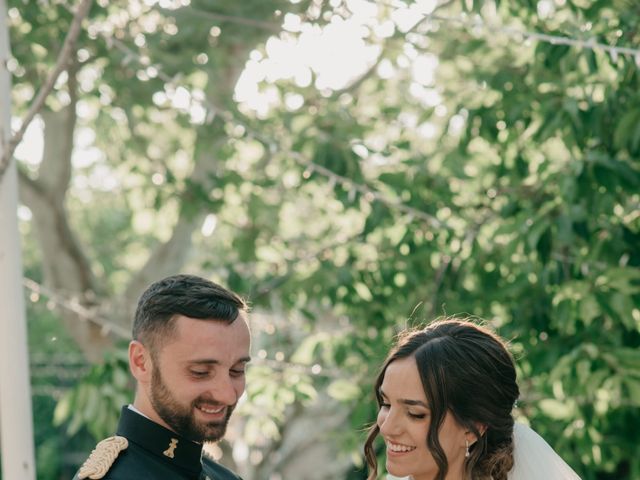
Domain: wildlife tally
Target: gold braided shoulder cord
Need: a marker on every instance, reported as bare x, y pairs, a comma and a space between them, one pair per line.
102, 457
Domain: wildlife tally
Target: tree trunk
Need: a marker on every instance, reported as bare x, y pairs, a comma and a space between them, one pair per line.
66, 269
169, 257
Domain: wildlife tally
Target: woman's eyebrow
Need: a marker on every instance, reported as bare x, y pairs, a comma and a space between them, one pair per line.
413, 402
406, 401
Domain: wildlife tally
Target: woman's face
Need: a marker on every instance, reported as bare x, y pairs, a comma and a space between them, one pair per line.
404, 419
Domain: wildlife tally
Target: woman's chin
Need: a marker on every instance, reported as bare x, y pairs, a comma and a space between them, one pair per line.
395, 471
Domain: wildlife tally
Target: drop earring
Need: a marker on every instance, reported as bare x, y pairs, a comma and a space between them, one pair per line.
466, 454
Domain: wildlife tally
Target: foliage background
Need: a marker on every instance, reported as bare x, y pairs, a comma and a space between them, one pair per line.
454, 168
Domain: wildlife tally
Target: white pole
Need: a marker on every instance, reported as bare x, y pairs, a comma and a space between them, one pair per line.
16, 423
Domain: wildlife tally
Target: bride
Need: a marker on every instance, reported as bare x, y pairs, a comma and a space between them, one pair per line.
445, 396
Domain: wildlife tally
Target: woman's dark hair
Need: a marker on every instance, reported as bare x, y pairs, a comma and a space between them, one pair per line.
465, 369
187, 295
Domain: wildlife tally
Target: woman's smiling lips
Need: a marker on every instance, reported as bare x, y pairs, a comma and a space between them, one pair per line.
396, 449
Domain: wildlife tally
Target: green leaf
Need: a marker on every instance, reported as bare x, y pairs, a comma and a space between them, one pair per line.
633, 387
306, 390
343, 390
626, 128
307, 350
589, 309
363, 291
556, 409
63, 409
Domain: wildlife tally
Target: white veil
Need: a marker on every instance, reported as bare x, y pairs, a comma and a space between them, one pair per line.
534, 459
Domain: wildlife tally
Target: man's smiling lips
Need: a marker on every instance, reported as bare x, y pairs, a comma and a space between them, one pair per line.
212, 411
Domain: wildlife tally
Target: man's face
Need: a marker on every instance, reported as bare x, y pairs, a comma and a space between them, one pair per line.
199, 375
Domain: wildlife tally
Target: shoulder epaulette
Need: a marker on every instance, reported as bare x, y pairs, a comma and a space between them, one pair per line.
102, 457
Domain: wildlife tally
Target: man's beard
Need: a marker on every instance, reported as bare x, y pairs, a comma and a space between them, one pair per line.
181, 419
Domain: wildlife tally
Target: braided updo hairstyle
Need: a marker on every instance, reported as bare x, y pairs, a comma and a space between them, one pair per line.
465, 369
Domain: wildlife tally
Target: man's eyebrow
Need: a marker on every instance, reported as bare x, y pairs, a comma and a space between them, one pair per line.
213, 361
205, 361
406, 401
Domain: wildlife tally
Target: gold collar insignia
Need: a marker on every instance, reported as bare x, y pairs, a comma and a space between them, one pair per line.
172, 446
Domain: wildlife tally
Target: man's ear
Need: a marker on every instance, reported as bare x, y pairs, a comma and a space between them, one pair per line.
140, 362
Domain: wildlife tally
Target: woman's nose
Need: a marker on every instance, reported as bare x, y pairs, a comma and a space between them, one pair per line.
387, 422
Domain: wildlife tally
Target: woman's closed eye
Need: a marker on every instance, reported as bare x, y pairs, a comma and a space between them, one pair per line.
199, 373
417, 416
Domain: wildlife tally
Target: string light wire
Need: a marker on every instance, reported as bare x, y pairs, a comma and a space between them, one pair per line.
108, 326
477, 22
72, 305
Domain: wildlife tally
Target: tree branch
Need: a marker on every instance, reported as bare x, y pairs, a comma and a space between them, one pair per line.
68, 48
273, 283
385, 46
249, 22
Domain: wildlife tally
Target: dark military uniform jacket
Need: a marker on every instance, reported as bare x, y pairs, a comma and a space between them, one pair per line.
151, 452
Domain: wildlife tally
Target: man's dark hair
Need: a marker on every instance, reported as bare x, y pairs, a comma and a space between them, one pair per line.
187, 295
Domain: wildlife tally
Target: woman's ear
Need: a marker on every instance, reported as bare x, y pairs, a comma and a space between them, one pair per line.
471, 437
140, 362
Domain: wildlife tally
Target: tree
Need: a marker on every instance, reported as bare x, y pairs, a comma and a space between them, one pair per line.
460, 168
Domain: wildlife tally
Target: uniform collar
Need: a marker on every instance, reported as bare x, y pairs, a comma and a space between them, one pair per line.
162, 442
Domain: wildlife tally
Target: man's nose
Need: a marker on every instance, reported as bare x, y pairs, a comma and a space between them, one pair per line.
223, 390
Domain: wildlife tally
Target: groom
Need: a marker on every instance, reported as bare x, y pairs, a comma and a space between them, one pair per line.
188, 355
